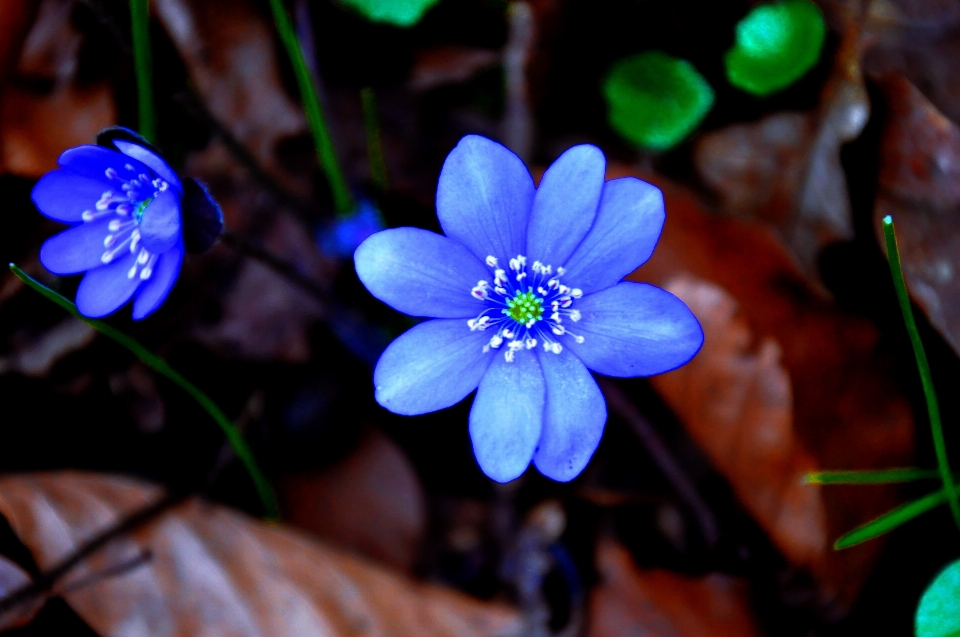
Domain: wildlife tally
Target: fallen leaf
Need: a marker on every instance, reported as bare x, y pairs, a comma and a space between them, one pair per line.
919, 186
371, 501
37, 357
630, 602
218, 572
809, 385
12, 578
443, 65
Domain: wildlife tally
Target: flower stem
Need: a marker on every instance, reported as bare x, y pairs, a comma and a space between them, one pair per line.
378, 167
342, 199
151, 360
140, 30
933, 407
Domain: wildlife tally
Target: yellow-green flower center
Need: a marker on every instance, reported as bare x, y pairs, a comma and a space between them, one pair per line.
524, 307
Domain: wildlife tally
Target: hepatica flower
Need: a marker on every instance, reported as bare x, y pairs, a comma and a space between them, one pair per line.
126, 209
526, 297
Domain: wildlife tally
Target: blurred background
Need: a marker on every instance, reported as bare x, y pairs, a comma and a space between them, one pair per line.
780, 139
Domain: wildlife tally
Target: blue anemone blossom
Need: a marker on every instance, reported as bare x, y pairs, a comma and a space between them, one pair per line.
124, 205
526, 296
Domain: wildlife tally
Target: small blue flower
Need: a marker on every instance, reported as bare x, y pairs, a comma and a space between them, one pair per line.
526, 295
125, 205
340, 238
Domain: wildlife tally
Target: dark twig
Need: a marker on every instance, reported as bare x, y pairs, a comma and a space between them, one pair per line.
115, 570
682, 484
45, 582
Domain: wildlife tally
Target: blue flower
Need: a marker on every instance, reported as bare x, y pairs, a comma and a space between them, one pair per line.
526, 297
125, 205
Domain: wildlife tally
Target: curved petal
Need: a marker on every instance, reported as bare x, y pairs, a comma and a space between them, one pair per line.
152, 160
507, 416
431, 366
635, 329
158, 286
573, 419
160, 226
484, 198
105, 289
64, 196
420, 273
93, 162
565, 204
622, 238
75, 250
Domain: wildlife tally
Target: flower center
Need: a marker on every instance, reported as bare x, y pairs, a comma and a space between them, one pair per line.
525, 308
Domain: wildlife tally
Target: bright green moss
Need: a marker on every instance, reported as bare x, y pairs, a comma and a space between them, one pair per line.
776, 44
655, 100
401, 13
938, 614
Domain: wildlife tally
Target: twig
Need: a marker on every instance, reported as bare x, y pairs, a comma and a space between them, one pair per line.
682, 484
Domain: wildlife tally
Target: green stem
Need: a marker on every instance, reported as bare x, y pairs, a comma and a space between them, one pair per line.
933, 407
378, 166
151, 360
878, 476
140, 28
342, 199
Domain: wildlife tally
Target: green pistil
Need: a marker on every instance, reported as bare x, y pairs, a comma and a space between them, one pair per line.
525, 307
138, 213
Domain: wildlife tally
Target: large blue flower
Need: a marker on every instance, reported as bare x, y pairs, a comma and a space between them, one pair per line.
124, 205
526, 295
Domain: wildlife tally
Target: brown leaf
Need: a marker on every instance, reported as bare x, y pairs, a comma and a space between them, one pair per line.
631, 602
919, 186
215, 571
371, 501
789, 383
12, 578
443, 65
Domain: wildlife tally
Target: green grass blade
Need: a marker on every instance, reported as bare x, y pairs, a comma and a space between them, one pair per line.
154, 362
933, 407
140, 31
890, 520
880, 476
342, 199
371, 122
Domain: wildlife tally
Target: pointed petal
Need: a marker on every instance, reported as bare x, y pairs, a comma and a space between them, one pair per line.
573, 419
76, 250
160, 226
622, 238
484, 198
150, 159
158, 286
64, 196
93, 161
565, 204
507, 416
420, 273
105, 289
431, 366
635, 329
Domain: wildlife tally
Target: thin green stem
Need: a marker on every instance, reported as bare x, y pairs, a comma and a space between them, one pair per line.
154, 362
342, 199
879, 476
371, 122
140, 29
933, 407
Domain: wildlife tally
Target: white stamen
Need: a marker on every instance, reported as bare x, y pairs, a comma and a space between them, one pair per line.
111, 173
531, 343
575, 315
561, 271
492, 261
128, 166
496, 341
576, 293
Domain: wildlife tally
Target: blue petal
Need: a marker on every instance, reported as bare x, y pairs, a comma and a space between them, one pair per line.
103, 290
155, 162
507, 416
420, 273
64, 196
622, 238
76, 250
484, 198
635, 329
565, 204
431, 366
573, 419
160, 226
155, 290
93, 162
